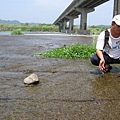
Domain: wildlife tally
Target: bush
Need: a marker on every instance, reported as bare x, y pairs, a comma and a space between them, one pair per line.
16, 32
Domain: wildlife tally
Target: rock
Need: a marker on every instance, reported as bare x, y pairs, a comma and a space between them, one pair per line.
32, 79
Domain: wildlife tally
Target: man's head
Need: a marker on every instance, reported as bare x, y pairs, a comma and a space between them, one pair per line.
115, 29
116, 19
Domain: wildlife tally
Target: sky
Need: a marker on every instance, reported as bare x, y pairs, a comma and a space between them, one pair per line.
47, 11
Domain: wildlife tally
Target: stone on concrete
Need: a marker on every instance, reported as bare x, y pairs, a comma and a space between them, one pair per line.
32, 79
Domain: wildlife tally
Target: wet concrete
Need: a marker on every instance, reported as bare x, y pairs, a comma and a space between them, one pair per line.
69, 89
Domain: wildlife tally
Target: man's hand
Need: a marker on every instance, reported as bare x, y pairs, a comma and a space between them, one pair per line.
102, 64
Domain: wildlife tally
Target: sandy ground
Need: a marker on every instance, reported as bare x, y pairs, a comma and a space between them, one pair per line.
69, 89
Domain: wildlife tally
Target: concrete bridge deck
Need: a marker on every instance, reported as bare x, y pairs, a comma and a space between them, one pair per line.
76, 8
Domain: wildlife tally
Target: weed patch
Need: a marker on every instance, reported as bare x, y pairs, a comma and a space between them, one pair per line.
72, 51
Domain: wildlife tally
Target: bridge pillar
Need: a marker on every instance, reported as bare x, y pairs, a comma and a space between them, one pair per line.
83, 12
71, 22
116, 9
83, 19
64, 24
60, 26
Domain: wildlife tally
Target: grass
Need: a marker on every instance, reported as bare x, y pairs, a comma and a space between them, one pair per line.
72, 51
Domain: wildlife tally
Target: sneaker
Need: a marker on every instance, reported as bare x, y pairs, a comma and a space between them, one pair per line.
109, 68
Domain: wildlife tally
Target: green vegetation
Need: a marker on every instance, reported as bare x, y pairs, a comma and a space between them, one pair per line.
16, 32
29, 27
46, 28
97, 29
72, 51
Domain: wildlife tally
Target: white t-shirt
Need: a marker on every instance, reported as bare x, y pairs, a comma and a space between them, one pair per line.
114, 43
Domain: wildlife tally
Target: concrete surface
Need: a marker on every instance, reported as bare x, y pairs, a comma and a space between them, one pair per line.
69, 89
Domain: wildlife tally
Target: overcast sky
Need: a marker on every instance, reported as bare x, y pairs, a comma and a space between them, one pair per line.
47, 11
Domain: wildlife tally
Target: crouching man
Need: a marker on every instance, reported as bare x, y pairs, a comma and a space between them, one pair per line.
108, 52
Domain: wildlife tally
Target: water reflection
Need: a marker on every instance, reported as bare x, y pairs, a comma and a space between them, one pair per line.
5, 33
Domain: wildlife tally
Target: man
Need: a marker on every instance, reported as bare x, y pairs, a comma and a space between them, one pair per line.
110, 54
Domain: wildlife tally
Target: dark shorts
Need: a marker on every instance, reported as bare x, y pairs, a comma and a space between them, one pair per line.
108, 60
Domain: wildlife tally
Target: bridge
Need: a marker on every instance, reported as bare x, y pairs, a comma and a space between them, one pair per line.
80, 7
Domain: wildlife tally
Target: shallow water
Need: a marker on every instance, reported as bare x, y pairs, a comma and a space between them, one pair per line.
68, 89
5, 33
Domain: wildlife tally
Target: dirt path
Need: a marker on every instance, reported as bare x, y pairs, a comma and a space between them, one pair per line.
68, 89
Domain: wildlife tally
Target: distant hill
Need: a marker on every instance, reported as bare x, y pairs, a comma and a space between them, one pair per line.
10, 22
16, 22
